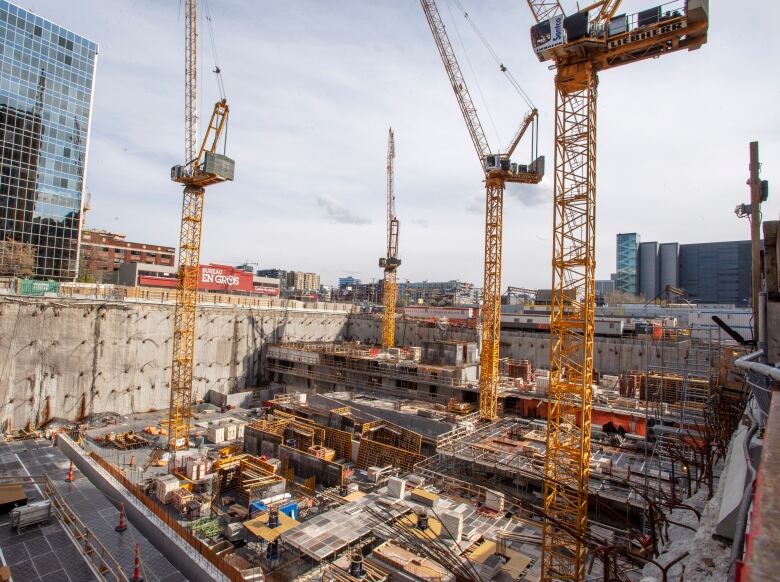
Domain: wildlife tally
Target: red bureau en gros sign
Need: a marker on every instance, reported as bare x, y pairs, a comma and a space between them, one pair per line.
224, 278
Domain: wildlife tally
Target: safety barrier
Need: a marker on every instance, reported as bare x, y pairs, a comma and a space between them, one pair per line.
90, 546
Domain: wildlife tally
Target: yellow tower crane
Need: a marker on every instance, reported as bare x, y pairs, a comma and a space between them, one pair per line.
391, 262
202, 167
580, 45
498, 170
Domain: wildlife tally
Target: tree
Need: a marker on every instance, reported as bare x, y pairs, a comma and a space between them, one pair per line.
93, 267
17, 259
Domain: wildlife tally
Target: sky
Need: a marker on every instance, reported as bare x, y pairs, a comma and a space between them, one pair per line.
313, 86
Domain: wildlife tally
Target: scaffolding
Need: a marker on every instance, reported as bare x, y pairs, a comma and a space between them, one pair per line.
678, 387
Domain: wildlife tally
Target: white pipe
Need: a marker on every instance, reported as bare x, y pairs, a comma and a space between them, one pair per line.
762, 322
745, 363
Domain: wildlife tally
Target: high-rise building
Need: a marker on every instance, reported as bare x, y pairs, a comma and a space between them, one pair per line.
295, 280
647, 277
668, 256
626, 268
311, 282
717, 272
345, 282
604, 287
46, 80
275, 273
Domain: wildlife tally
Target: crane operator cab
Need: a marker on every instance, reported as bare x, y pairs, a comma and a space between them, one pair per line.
566, 36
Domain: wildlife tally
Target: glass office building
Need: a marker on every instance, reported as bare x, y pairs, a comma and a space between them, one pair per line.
627, 256
46, 82
717, 272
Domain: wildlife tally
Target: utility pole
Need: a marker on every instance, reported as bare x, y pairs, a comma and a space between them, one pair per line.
755, 231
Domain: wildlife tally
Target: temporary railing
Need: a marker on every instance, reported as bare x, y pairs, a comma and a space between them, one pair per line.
89, 545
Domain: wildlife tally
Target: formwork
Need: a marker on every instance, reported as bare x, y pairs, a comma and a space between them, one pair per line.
376, 454
387, 433
298, 433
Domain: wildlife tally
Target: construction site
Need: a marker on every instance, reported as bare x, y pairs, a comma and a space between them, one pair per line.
202, 437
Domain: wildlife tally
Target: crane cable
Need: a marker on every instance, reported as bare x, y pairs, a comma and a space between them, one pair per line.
507, 73
217, 69
473, 73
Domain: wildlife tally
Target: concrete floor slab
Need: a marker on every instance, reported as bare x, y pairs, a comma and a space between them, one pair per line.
45, 551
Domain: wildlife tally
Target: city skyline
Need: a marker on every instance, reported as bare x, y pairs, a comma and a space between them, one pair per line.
309, 189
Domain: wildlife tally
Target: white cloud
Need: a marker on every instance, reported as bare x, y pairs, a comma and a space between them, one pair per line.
338, 212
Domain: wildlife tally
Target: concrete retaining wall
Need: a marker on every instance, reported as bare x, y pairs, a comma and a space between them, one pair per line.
59, 355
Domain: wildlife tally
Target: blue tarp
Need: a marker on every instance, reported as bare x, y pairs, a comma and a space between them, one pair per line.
290, 510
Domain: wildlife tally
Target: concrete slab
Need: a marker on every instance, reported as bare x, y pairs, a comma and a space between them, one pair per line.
46, 551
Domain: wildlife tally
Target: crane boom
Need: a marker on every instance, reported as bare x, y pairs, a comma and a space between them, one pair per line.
581, 45
498, 170
190, 80
392, 234
390, 263
465, 102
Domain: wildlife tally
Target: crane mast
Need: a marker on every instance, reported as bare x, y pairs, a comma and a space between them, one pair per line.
498, 170
390, 262
580, 46
202, 167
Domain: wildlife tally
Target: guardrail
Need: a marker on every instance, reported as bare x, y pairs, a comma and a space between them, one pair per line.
90, 546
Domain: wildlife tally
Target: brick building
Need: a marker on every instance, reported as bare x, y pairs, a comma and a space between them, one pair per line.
102, 252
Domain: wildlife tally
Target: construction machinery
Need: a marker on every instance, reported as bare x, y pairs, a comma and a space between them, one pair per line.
525, 295
670, 292
498, 170
580, 45
390, 262
203, 166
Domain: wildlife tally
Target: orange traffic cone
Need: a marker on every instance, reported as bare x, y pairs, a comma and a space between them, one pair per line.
122, 525
69, 478
137, 568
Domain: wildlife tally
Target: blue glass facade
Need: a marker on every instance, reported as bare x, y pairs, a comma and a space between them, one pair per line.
627, 255
717, 272
46, 82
